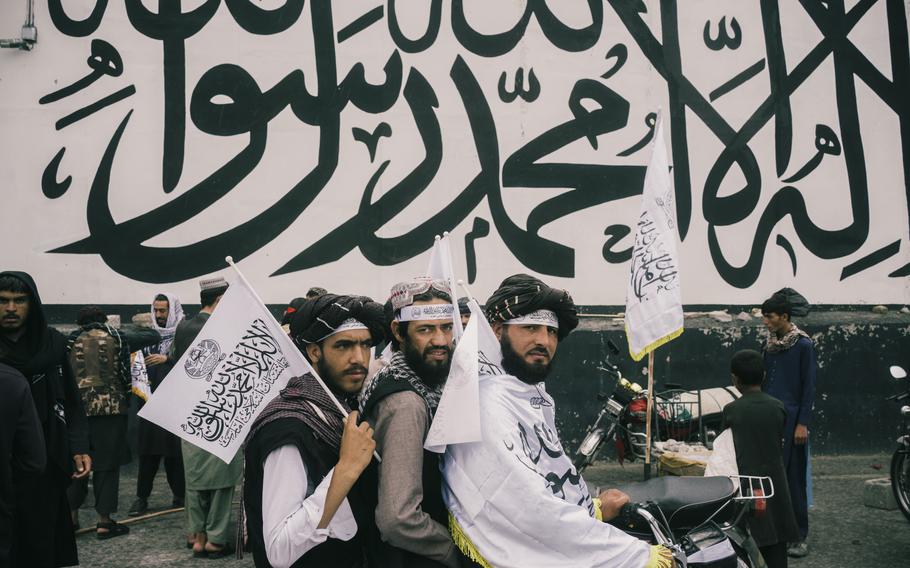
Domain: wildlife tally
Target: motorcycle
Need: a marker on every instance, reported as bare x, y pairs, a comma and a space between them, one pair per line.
702, 520
900, 462
686, 416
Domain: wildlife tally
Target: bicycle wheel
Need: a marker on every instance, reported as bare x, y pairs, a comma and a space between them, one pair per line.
900, 480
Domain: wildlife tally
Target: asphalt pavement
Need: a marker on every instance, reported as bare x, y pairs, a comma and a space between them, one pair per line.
843, 532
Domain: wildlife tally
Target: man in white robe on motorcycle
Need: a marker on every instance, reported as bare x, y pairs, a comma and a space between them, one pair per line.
515, 498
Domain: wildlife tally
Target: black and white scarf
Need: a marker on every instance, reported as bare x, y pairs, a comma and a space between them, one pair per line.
399, 370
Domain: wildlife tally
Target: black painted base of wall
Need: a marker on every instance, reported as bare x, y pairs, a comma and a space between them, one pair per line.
855, 349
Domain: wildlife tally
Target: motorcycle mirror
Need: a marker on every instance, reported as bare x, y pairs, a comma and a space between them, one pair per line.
898, 372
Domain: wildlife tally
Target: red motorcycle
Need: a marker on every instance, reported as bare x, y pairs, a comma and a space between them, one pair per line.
692, 416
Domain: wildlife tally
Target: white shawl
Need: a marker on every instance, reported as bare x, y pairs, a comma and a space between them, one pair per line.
517, 496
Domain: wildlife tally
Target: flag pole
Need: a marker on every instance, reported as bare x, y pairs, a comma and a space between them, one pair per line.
467, 290
648, 414
344, 412
457, 328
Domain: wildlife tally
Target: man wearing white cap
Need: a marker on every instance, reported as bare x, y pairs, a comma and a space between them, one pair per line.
209, 481
400, 403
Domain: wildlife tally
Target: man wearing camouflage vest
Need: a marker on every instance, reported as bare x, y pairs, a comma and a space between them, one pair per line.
100, 358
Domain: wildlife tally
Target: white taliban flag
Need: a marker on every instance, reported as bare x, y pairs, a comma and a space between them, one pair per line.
237, 364
457, 419
440, 268
139, 376
654, 313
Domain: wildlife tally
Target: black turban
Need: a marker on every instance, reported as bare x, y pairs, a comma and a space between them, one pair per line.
317, 318
522, 294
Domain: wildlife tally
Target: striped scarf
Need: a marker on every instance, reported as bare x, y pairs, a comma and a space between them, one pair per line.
305, 400
776, 344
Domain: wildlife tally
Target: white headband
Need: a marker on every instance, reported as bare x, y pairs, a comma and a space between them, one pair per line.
346, 325
540, 317
426, 312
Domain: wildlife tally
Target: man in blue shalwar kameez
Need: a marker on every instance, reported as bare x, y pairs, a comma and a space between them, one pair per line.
790, 363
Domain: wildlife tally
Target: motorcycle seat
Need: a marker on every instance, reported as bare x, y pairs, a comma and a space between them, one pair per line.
685, 501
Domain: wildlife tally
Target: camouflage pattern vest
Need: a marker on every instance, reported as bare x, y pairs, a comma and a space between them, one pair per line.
95, 358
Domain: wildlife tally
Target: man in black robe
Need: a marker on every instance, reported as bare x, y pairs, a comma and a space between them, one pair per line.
45, 536
302, 497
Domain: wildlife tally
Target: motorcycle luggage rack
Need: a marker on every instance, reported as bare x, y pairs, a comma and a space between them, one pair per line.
753, 487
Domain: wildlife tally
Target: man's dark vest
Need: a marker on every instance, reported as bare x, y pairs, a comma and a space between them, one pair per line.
432, 503
319, 459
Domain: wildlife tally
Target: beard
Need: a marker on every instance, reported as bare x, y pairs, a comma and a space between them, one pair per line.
334, 381
432, 374
514, 364
161, 322
11, 324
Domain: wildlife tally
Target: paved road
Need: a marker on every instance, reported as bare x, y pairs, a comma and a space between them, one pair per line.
844, 533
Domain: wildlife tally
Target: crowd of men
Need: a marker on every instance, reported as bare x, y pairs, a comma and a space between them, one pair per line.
312, 492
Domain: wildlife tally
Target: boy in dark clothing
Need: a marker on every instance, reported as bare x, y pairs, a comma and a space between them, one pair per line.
757, 420
789, 356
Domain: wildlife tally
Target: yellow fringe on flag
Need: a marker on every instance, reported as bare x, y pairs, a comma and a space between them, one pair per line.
598, 514
661, 557
464, 543
140, 394
653, 345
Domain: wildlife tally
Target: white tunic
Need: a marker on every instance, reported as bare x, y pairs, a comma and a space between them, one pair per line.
290, 517
518, 497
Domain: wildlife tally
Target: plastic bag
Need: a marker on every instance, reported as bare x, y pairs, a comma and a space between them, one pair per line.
723, 458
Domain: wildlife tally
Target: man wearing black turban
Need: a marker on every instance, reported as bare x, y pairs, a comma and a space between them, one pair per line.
529, 318
521, 447
303, 498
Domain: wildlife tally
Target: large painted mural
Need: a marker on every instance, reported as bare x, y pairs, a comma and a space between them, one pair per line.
326, 143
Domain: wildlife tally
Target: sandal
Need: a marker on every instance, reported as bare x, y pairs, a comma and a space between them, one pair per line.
222, 552
114, 529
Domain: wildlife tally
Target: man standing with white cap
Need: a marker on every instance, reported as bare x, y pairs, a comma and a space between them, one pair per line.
209, 481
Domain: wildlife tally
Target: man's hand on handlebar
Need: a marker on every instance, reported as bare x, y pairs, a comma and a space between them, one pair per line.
611, 502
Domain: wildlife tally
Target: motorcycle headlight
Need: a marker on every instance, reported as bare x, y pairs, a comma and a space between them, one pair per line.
589, 444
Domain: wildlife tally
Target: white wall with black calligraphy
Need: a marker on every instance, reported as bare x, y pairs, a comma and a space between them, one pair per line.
326, 143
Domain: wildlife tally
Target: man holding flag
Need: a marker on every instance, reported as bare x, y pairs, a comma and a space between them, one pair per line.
400, 403
302, 499
156, 443
516, 500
